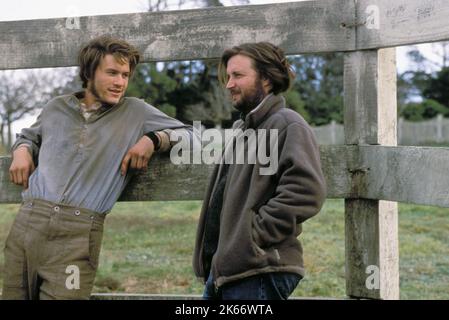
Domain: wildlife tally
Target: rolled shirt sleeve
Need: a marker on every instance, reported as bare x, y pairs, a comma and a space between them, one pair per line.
30, 137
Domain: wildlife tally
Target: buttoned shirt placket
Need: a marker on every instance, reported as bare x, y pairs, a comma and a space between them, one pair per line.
87, 115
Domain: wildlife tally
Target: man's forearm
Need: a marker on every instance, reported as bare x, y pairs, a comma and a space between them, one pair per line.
22, 141
20, 145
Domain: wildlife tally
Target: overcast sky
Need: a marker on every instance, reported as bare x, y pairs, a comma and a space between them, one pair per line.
41, 9
38, 9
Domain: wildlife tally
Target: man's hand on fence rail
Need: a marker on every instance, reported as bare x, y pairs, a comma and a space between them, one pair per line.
138, 156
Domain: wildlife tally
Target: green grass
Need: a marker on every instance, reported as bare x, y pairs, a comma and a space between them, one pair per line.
3, 151
147, 248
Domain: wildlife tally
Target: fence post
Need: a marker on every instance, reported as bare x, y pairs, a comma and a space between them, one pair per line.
400, 129
371, 226
439, 123
333, 130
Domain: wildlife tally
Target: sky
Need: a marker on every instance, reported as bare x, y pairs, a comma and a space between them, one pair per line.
42, 9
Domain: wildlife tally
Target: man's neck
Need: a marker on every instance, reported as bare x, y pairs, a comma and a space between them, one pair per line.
89, 99
260, 103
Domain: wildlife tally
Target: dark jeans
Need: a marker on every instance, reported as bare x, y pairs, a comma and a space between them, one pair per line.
266, 286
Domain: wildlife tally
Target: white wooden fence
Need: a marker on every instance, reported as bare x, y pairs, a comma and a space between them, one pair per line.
428, 132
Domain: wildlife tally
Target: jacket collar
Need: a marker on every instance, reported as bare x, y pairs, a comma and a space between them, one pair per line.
269, 106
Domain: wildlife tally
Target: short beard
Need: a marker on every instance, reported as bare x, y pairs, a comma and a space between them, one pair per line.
95, 93
250, 102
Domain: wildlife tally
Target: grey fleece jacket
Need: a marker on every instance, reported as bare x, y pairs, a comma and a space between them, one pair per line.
261, 215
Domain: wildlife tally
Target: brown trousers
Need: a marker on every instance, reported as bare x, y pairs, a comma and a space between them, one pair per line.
52, 252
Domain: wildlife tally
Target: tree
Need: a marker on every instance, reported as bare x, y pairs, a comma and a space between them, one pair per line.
428, 78
427, 109
20, 94
319, 82
295, 102
440, 52
188, 90
65, 81
25, 92
427, 81
437, 87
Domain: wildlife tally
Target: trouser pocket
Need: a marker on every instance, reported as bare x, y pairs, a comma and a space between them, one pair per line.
95, 240
285, 283
71, 235
14, 275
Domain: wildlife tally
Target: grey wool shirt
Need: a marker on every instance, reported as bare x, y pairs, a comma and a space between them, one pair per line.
78, 160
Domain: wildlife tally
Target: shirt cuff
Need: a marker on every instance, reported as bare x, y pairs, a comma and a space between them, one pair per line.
164, 141
30, 150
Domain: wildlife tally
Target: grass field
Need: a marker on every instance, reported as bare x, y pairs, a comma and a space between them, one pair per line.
147, 248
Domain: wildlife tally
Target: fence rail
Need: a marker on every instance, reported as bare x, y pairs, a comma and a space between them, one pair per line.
351, 172
299, 27
312, 26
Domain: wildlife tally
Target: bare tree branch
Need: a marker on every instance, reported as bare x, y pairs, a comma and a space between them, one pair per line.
23, 93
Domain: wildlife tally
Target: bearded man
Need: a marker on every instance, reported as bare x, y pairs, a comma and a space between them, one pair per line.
246, 243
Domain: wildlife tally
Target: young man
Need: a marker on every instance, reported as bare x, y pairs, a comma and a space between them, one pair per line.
73, 163
246, 245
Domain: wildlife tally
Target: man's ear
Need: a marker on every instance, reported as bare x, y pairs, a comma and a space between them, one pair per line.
266, 85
